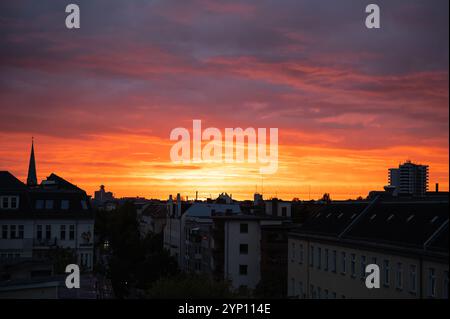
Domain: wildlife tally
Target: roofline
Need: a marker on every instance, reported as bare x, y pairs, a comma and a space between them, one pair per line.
374, 246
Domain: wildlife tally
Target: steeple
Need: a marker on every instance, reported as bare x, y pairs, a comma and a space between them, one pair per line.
32, 177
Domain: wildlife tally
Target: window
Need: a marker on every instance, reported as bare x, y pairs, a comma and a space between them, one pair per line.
399, 276
300, 289
343, 263
445, 288
84, 205
48, 231
319, 257
39, 232
353, 265
292, 287
9, 202
325, 293
244, 228
312, 291
20, 232
14, 202
413, 278
5, 202
300, 255
284, 211
72, 232
49, 204
326, 260
334, 261
64, 204
243, 249
12, 232
431, 282
333, 295
386, 272
293, 251
4, 231
243, 270
39, 204
363, 267
62, 232
319, 292
311, 256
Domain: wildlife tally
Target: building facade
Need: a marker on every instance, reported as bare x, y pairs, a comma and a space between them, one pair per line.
406, 238
409, 179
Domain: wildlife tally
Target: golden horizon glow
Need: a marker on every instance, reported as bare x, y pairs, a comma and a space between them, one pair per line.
132, 165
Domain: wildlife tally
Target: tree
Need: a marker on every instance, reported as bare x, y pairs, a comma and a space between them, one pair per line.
326, 198
61, 257
189, 286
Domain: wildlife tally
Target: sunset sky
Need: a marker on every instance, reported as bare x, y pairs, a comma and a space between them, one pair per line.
348, 102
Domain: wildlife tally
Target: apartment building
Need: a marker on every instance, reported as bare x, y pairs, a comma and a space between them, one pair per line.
38, 218
250, 250
406, 237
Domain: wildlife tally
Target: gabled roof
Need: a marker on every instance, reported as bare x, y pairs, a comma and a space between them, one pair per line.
9, 182
62, 183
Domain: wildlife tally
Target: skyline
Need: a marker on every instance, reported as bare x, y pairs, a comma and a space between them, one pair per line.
101, 101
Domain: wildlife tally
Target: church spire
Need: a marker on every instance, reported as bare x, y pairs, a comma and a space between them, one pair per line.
32, 177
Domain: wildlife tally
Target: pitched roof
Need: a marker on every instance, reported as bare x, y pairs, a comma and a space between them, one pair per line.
9, 182
418, 224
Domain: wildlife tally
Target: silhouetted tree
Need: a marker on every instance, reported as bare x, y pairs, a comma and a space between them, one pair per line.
189, 286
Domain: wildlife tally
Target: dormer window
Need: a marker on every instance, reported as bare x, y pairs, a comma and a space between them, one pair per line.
39, 204
9, 202
49, 204
65, 204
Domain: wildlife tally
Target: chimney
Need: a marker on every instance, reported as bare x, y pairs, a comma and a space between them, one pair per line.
437, 187
178, 205
170, 204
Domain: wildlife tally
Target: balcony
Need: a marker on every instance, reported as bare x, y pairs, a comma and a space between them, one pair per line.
45, 243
